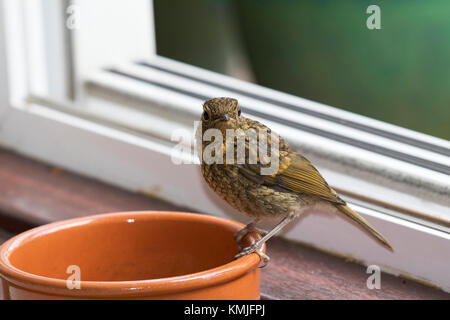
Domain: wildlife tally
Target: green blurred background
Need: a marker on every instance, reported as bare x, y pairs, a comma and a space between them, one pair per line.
323, 51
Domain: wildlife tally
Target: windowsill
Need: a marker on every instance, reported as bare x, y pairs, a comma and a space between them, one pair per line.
34, 193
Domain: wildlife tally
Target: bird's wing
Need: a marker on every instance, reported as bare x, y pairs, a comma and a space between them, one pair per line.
295, 174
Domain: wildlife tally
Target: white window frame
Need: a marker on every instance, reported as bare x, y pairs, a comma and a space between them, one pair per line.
131, 148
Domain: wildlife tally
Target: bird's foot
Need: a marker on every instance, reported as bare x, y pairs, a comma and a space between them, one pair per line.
238, 236
264, 258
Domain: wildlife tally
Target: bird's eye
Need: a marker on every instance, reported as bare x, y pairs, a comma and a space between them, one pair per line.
239, 112
206, 116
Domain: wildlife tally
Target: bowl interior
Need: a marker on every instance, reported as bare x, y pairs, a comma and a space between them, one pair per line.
128, 248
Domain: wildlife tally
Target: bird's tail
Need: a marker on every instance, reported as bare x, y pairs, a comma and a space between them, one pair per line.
362, 222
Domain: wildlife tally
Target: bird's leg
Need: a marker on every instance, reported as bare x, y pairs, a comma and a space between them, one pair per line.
248, 228
255, 247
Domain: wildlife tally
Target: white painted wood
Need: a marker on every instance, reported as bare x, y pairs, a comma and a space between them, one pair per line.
112, 31
4, 86
346, 167
288, 98
14, 63
281, 112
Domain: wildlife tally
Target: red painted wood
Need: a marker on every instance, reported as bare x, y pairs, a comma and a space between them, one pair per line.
33, 193
298, 272
5, 235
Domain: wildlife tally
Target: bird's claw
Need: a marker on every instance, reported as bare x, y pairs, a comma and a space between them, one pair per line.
264, 258
238, 236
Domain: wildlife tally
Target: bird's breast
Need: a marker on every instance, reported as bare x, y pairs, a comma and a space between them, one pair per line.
247, 196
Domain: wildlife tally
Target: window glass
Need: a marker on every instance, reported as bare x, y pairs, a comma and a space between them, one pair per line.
390, 64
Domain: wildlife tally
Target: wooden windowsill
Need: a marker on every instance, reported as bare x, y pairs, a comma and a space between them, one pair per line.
33, 193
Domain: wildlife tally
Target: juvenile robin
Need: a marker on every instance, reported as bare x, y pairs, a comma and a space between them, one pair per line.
293, 188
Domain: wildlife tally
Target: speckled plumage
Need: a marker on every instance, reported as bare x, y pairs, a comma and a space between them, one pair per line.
295, 186
246, 196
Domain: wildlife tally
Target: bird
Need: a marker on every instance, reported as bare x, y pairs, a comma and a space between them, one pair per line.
294, 187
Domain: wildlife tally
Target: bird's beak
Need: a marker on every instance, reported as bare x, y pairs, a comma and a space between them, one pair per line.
225, 117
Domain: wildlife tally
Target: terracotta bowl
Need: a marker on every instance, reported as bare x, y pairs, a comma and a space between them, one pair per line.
129, 255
